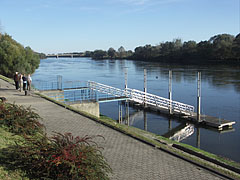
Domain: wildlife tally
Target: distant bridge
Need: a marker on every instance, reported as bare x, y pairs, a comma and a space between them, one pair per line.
66, 55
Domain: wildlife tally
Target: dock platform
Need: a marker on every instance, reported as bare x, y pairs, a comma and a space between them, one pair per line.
215, 122
206, 120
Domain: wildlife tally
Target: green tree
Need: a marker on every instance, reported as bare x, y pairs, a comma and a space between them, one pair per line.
236, 47
222, 46
99, 54
122, 52
111, 53
14, 57
204, 50
189, 49
88, 53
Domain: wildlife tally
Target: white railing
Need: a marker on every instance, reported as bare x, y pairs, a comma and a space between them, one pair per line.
106, 89
143, 98
154, 100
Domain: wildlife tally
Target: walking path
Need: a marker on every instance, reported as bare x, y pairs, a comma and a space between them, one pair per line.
130, 159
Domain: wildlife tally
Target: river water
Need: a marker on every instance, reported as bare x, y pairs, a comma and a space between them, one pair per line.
220, 95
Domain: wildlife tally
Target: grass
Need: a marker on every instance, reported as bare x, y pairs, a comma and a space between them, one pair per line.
6, 79
7, 171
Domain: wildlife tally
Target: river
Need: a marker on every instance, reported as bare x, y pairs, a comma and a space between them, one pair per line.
220, 95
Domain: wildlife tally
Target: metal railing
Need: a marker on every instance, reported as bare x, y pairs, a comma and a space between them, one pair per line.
143, 98
106, 89
58, 85
82, 91
154, 100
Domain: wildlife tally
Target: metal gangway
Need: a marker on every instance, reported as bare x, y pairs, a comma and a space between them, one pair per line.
144, 98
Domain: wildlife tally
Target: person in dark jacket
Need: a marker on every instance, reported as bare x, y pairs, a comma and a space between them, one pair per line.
24, 78
16, 80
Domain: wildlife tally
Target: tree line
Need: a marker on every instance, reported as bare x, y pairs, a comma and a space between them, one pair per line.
219, 48
14, 57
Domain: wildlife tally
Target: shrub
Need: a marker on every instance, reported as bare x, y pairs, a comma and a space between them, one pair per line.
20, 120
62, 157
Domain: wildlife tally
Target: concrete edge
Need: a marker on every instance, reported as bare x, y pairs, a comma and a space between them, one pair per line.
179, 147
232, 168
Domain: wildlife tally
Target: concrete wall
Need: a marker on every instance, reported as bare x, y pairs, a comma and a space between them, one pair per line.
89, 107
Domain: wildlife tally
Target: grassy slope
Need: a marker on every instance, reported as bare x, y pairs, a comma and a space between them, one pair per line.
6, 79
6, 173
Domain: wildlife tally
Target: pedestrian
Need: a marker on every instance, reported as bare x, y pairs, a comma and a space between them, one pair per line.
20, 81
29, 82
24, 78
16, 80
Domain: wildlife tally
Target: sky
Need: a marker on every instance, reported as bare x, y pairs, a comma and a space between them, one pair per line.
57, 26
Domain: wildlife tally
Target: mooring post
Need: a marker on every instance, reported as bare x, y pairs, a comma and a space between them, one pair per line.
145, 86
126, 74
59, 82
170, 91
169, 123
121, 107
145, 120
119, 112
199, 98
198, 137
127, 112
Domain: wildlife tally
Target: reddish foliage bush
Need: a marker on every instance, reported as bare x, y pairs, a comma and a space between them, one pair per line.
63, 157
20, 120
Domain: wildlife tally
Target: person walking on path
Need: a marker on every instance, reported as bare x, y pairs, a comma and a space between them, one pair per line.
20, 81
24, 78
16, 80
29, 82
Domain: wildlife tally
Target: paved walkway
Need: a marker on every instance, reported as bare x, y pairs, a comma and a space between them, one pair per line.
129, 158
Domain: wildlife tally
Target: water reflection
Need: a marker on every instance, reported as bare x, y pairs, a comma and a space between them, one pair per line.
180, 132
220, 76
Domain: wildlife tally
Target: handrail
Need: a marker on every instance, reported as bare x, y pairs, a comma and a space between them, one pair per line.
142, 97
